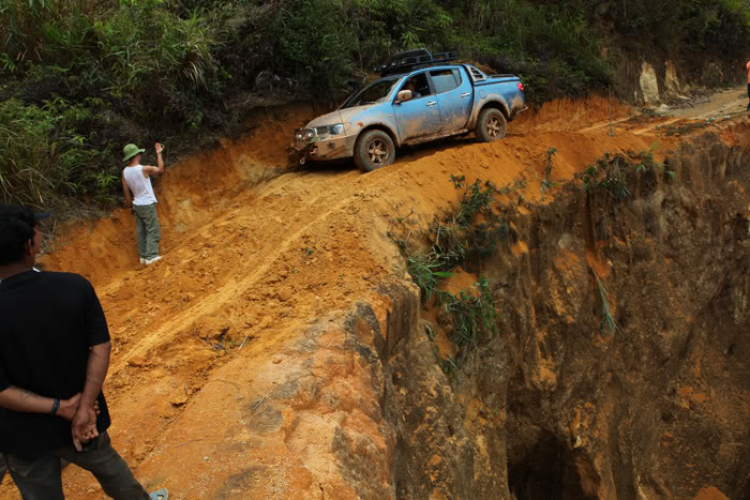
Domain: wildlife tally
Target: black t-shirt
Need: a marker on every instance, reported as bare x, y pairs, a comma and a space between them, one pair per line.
48, 322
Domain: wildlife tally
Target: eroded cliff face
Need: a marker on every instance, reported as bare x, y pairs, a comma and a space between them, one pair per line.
657, 408
558, 405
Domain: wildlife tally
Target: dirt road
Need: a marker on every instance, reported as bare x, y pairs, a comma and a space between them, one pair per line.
727, 103
254, 259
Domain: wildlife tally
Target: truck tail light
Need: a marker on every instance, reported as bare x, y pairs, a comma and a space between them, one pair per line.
520, 87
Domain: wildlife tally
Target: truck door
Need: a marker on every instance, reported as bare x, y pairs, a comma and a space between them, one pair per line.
420, 115
454, 96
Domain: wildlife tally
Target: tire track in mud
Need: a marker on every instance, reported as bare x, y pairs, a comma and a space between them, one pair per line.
280, 244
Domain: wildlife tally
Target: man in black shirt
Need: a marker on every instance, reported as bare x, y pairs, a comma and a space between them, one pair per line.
54, 355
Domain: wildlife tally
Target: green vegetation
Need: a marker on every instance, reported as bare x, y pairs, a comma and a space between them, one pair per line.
608, 173
475, 316
423, 269
607, 323
611, 171
80, 78
41, 152
547, 184
466, 235
472, 232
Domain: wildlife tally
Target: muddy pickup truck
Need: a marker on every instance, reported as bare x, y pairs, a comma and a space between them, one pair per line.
419, 98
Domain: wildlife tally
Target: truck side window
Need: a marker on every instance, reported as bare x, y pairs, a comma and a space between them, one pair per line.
444, 80
418, 86
457, 76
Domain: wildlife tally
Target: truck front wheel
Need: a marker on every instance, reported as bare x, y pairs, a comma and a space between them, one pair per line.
374, 149
491, 125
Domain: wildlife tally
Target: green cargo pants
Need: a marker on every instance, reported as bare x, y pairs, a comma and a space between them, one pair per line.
147, 230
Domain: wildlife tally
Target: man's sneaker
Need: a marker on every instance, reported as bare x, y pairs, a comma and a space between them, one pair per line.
161, 494
151, 261
143, 261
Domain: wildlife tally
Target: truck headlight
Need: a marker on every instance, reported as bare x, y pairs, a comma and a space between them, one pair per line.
336, 129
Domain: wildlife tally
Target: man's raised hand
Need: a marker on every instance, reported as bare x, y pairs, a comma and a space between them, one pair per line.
158, 147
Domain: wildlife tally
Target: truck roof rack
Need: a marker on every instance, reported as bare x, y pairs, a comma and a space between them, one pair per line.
414, 59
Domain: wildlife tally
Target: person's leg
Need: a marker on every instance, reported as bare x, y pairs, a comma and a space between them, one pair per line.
3, 468
37, 480
108, 467
140, 231
153, 231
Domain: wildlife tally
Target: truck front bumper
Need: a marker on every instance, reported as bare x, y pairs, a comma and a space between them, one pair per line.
324, 148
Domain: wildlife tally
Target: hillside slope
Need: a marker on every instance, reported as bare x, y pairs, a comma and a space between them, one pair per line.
251, 362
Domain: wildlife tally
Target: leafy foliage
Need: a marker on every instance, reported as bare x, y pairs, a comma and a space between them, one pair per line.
547, 184
550, 45
607, 323
424, 269
470, 232
78, 75
611, 171
40, 152
608, 173
313, 43
475, 316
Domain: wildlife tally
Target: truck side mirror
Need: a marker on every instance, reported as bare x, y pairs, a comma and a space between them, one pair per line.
402, 96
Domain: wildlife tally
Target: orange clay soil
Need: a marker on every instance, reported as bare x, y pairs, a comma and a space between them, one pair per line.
252, 257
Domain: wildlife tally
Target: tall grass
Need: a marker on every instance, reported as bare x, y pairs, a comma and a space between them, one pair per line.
80, 77
42, 156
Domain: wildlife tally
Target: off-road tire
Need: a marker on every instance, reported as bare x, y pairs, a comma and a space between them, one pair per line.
491, 125
374, 149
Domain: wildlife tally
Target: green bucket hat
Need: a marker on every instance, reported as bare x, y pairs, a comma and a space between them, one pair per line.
130, 151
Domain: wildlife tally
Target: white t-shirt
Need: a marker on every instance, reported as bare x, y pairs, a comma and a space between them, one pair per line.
143, 192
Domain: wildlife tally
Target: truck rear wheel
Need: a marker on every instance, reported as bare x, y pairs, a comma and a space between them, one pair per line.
374, 149
491, 125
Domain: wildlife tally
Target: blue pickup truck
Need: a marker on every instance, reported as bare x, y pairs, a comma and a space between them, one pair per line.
419, 98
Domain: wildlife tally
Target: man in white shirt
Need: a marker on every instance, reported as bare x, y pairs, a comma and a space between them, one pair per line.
136, 178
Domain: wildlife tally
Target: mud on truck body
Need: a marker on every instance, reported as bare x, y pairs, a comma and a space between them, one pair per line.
419, 98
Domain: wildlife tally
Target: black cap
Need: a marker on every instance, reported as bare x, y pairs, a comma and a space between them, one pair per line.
43, 215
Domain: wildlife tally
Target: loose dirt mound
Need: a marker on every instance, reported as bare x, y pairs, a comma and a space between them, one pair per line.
252, 259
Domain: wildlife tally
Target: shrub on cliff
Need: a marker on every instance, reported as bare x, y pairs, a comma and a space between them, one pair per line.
466, 235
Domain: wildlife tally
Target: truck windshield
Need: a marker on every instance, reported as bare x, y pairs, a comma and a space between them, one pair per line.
374, 93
